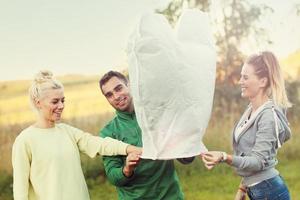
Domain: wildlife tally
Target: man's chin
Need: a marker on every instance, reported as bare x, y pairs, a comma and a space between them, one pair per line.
122, 109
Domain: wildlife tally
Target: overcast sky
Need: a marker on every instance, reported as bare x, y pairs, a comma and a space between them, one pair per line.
90, 37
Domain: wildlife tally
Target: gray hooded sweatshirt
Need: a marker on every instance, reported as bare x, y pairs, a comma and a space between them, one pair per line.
256, 146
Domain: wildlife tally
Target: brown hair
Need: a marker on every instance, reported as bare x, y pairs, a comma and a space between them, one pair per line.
106, 77
266, 65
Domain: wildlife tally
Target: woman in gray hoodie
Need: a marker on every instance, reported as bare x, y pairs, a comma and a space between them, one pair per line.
260, 131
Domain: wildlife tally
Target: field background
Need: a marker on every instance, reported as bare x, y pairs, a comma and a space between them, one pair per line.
87, 109
63, 35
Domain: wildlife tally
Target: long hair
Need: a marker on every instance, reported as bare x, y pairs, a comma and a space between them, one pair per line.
266, 65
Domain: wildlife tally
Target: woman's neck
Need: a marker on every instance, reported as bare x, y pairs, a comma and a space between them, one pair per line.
42, 123
258, 101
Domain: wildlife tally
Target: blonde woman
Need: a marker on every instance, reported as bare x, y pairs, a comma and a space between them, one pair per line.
46, 159
260, 132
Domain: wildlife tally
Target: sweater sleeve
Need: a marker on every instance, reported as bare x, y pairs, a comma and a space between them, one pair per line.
262, 150
21, 159
94, 145
113, 166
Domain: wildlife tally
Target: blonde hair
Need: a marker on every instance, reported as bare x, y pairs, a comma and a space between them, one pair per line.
266, 65
42, 81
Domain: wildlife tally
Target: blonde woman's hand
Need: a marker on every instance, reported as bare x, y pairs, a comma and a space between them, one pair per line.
131, 149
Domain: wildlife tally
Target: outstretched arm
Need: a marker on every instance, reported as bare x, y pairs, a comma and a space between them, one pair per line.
95, 145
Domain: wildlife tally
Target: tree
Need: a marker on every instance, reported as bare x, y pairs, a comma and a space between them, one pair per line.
174, 9
234, 21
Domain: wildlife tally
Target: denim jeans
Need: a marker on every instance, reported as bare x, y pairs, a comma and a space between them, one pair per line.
270, 189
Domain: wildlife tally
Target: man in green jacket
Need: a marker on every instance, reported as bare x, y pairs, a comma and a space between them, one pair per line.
134, 178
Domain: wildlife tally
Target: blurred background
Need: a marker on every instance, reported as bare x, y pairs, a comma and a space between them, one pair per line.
79, 41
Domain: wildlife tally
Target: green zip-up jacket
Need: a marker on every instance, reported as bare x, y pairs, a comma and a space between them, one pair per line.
152, 180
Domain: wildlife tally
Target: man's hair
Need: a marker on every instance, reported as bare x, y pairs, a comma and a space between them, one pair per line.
106, 77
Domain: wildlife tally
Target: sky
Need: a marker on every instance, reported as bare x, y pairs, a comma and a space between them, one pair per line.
282, 26
90, 37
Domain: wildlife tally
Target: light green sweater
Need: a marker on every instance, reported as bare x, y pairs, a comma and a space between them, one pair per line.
46, 162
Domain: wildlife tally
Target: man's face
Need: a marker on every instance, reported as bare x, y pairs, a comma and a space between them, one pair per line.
117, 94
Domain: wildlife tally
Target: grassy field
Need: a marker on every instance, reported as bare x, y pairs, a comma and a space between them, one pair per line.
220, 183
199, 184
87, 109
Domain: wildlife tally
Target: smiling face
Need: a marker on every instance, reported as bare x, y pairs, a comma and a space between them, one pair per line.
117, 94
251, 85
51, 105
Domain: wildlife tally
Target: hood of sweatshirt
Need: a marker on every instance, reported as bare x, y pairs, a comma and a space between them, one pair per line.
282, 128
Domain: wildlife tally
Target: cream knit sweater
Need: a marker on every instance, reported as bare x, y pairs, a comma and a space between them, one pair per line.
46, 162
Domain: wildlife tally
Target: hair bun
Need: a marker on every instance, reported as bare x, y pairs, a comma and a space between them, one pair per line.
43, 76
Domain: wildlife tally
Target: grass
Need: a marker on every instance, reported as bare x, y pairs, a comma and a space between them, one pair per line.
197, 183
87, 109
221, 183
200, 184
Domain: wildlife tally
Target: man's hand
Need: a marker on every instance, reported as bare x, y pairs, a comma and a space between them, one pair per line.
132, 160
